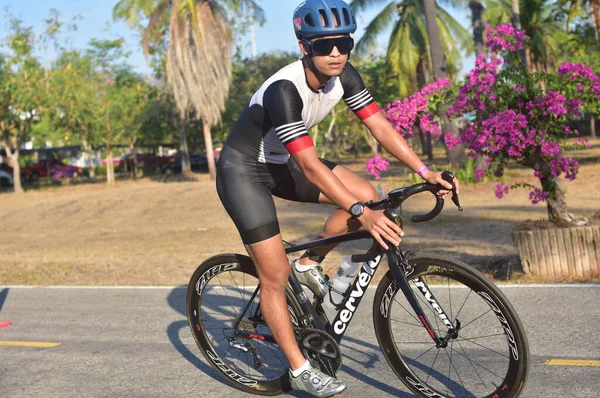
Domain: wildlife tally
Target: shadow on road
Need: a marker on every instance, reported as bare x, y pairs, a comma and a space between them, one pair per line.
3, 296
176, 300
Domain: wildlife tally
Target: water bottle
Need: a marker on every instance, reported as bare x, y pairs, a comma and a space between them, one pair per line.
345, 273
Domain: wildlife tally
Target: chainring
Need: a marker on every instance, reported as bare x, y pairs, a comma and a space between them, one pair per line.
321, 350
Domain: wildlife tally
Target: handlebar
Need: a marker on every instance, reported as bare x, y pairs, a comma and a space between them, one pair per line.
395, 198
392, 204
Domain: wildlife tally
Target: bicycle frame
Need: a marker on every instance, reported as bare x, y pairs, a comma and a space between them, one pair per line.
371, 260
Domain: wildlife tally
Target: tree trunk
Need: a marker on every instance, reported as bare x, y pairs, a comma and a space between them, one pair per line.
557, 202
516, 23
456, 155
476, 9
18, 187
316, 135
328, 136
429, 146
183, 145
110, 168
596, 19
593, 126
210, 154
516, 14
89, 157
373, 144
13, 161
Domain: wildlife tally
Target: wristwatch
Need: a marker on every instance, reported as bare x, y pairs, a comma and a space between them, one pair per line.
357, 209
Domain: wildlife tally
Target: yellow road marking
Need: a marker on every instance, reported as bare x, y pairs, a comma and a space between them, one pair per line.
37, 344
573, 362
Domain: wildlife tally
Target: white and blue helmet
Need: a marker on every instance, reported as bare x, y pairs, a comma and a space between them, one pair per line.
314, 18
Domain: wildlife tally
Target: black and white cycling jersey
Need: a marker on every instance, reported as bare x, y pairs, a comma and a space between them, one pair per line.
275, 123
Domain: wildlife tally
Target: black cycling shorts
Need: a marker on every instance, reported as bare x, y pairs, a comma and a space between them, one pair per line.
246, 188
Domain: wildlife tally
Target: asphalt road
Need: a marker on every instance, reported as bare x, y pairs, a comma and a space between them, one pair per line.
128, 342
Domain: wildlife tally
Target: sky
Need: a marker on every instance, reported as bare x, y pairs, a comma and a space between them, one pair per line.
96, 22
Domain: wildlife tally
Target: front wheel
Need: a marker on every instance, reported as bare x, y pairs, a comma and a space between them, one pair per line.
488, 356
223, 309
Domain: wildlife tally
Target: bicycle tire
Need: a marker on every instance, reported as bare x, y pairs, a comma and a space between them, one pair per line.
419, 373
198, 300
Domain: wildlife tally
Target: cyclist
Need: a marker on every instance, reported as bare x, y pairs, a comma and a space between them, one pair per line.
269, 152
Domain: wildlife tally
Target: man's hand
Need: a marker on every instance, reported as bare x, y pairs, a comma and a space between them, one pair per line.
381, 227
435, 177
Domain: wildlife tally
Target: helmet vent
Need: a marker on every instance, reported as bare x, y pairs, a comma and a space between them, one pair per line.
324, 17
309, 20
336, 17
346, 16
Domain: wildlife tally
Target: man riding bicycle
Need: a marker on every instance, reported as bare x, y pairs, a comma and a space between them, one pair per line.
269, 152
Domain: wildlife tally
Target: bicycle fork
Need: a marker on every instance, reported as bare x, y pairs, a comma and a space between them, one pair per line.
401, 270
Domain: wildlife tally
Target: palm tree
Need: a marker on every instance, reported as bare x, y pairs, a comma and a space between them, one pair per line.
199, 39
537, 19
408, 54
476, 10
456, 155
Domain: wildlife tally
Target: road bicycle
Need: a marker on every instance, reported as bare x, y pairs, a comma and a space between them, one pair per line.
443, 327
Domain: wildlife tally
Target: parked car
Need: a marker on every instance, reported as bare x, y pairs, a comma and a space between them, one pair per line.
6, 178
148, 161
34, 171
60, 171
53, 168
198, 162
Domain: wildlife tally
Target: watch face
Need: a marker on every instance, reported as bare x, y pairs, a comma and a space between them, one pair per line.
356, 209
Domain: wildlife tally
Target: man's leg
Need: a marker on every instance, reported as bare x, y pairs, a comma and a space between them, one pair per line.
340, 222
273, 271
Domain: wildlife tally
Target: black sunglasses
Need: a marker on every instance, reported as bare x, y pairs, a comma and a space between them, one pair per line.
325, 46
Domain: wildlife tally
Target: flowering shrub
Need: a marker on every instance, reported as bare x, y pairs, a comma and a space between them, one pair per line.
403, 115
516, 116
376, 165
523, 117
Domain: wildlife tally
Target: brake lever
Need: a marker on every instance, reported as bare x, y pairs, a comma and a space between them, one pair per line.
449, 176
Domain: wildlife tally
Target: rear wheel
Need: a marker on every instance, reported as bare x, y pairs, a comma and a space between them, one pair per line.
224, 316
488, 356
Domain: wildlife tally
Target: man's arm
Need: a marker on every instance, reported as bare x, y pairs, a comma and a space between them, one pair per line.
359, 100
394, 143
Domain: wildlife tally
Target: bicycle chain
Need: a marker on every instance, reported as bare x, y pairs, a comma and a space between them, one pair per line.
321, 350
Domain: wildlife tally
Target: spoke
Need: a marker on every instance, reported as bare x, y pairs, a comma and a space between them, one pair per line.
463, 304
236, 285
451, 364
431, 368
450, 299
226, 295
205, 296
482, 346
464, 326
471, 362
479, 337
216, 306
409, 313
275, 355
480, 365
414, 342
408, 323
432, 347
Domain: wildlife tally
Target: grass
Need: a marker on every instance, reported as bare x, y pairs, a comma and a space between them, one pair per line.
150, 232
